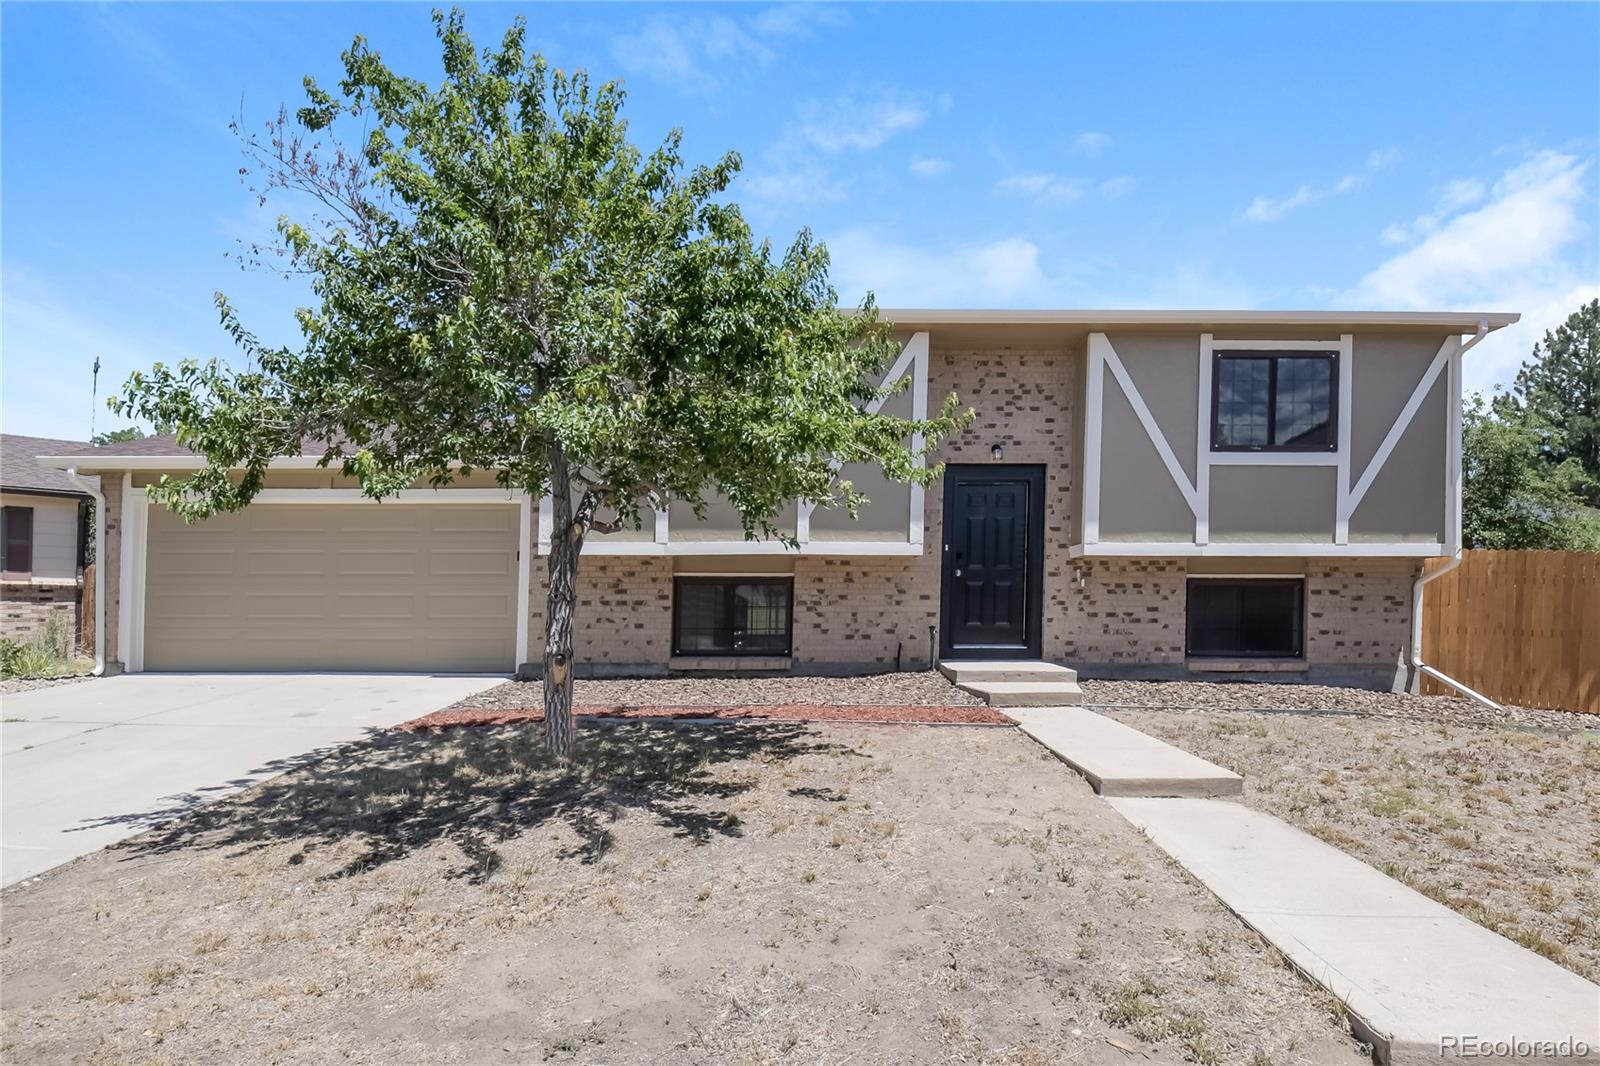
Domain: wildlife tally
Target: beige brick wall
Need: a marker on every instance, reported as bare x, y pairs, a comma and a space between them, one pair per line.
1128, 612
25, 608
624, 614
1358, 611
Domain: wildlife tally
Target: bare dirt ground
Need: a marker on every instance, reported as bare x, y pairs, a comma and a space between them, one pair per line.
751, 892
1496, 816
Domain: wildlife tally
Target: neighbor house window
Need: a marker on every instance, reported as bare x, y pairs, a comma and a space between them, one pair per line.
1246, 618
16, 532
731, 616
1274, 401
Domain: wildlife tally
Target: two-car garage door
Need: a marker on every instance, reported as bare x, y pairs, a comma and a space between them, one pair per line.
362, 586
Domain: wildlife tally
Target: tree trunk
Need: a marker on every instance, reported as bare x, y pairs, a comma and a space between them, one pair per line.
568, 529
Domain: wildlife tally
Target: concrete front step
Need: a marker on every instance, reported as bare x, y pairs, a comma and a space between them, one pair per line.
962, 671
1025, 693
1120, 761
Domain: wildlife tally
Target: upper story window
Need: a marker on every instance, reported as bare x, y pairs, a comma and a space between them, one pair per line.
1274, 401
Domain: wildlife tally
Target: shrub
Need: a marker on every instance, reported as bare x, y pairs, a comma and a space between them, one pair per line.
47, 652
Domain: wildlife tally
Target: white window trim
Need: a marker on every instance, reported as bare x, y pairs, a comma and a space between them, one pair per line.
135, 548
1321, 549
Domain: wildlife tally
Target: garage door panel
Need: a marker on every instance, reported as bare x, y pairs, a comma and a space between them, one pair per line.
331, 587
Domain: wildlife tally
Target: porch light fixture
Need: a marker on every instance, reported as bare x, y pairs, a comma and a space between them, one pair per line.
997, 451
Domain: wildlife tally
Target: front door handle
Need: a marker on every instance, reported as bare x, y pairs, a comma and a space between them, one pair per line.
958, 571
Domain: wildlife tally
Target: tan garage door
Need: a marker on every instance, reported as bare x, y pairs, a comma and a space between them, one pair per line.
417, 587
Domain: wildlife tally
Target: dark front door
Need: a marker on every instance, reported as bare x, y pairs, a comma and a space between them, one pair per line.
993, 561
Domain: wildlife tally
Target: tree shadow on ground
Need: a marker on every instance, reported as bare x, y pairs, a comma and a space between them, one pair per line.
396, 793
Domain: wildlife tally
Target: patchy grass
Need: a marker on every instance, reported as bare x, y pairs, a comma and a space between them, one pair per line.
759, 892
1499, 820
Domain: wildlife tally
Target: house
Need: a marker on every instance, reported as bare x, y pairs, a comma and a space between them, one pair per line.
1142, 493
42, 536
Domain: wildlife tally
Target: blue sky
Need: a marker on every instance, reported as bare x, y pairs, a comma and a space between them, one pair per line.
1243, 156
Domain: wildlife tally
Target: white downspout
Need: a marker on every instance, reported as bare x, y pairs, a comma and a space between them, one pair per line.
1455, 558
1416, 635
99, 566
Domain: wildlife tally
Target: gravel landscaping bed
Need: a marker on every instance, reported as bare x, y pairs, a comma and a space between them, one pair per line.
28, 684
1256, 696
1495, 816
747, 892
925, 688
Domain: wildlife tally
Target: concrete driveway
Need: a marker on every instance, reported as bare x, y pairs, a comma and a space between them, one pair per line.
88, 764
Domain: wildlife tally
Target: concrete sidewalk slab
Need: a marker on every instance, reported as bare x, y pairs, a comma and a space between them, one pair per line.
88, 764
1415, 974
1119, 760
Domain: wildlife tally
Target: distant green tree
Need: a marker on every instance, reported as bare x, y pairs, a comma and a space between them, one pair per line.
1513, 496
1560, 388
117, 436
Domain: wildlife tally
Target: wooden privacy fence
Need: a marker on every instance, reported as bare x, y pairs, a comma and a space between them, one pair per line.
1521, 627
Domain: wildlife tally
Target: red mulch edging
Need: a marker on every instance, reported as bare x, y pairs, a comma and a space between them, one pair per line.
793, 712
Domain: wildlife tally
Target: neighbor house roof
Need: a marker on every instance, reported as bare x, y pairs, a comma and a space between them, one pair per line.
21, 470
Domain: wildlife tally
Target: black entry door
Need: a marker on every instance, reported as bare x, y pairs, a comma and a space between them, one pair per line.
993, 561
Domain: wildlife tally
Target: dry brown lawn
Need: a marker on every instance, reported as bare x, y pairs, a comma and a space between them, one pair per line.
1498, 818
767, 892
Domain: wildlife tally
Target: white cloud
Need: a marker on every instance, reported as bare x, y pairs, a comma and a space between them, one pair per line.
1004, 271
1524, 249
687, 52
797, 20
1380, 158
1116, 186
1091, 143
929, 168
1462, 193
801, 183
1053, 188
1276, 209
1267, 209
860, 122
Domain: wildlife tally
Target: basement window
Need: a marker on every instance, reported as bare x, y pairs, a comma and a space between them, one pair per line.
1246, 618
1274, 401
732, 616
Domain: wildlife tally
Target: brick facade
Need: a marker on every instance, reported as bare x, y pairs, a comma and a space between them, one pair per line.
1103, 616
25, 608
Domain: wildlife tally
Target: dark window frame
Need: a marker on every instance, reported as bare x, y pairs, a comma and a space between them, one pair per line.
1298, 654
732, 581
8, 559
1272, 357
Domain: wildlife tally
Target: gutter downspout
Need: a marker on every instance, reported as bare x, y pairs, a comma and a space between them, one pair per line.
99, 567
1424, 578
1416, 635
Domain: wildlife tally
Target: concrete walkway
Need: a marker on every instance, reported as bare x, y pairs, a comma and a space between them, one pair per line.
90, 763
1415, 974
1421, 981
1121, 761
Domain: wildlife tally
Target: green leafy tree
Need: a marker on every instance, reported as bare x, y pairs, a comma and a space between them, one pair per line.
117, 436
506, 283
1560, 388
1512, 497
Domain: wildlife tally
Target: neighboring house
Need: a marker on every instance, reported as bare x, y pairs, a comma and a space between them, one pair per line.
42, 536
1142, 493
